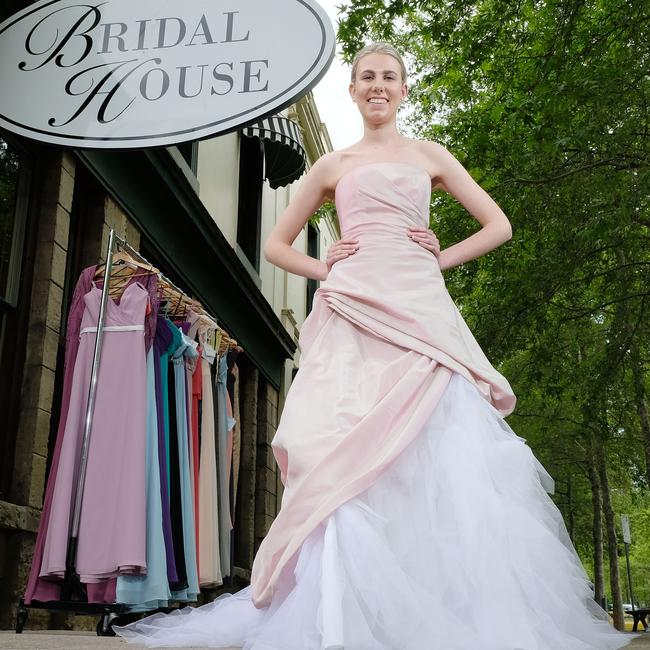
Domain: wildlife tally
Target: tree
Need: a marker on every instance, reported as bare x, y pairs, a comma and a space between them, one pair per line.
546, 105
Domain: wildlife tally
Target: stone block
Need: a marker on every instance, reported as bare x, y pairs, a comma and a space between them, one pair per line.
263, 524
266, 480
69, 163
59, 257
50, 347
46, 304
113, 217
266, 502
50, 191
50, 263
15, 517
66, 190
279, 488
116, 218
35, 426
17, 561
271, 412
46, 391
37, 482
132, 234
54, 306
62, 227
39, 303
54, 225
271, 430
32, 377
38, 388
43, 262
265, 456
42, 346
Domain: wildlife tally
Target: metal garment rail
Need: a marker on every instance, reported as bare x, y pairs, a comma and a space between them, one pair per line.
74, 598
124, 244
73, 593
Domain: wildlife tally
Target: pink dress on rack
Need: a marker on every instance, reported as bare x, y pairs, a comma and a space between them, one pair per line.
111, 537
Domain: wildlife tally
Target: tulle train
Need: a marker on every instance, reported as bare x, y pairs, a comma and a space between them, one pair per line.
456, 547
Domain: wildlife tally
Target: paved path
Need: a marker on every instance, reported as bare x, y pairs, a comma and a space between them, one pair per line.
90, 641
66, 641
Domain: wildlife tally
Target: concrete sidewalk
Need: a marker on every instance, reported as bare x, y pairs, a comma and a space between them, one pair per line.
89, 641
66, 641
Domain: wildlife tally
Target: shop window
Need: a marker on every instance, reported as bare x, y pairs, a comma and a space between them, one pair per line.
249, 211
15, 173
313, 250
12, 224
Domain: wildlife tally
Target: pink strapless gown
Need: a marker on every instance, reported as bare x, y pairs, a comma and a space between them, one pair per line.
412, 517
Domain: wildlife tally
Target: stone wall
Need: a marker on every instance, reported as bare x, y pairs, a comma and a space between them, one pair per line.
19, 519
259, 486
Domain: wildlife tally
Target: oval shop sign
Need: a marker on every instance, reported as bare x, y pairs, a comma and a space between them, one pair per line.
142, 73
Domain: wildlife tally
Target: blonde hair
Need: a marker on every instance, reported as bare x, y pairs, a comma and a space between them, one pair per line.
378, 47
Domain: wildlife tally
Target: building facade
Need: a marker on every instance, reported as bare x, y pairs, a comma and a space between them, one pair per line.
199, 212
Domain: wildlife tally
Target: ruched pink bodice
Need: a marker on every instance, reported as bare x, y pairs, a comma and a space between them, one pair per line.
378, 349
393, 285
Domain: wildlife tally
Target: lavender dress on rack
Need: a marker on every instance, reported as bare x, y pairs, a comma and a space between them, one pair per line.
184, 351
45, 589
112, 525
224, 423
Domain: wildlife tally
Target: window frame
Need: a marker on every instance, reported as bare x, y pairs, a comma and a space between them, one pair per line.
14, 313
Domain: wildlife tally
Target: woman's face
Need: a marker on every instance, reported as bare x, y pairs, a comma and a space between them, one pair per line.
378, 89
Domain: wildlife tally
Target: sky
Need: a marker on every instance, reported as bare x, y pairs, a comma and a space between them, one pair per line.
335, 107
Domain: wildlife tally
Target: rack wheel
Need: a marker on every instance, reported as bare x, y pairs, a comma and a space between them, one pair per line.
21, 617
104, 626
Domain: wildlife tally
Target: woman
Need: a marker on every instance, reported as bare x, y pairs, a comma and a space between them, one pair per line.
412, 516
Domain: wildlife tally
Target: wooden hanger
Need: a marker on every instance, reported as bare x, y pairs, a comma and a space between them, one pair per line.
124, 263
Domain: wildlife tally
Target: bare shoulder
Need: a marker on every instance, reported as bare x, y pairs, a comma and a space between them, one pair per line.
330, 165
435, 152
433, 157
318, 177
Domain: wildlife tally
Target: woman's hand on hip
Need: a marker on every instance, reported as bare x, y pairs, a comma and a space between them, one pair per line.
341, 249
426, 238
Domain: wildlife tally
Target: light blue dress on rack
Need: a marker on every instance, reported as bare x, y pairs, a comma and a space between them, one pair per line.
186, 350
224, 423
152, 590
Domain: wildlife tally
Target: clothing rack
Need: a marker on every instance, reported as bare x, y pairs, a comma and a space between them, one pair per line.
73, 593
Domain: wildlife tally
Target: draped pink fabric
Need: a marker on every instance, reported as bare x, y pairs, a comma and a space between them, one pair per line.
390, 291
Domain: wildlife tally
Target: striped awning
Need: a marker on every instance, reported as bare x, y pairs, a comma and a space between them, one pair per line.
284, 155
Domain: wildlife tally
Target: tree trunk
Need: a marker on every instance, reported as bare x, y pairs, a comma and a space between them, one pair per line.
641, 401
612, 546
597, 528
572, 521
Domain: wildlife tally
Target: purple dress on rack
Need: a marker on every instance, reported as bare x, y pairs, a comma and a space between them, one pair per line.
112, 525
37, 588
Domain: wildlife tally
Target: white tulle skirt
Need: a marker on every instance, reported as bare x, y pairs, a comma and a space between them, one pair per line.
456, 547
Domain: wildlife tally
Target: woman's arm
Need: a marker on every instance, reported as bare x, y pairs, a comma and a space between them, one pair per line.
310, 196
457, 181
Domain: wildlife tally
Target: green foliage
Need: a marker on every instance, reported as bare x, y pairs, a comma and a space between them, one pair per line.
9, 169
328, 209
546, 105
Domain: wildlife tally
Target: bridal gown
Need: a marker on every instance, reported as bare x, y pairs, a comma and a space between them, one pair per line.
413, 517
